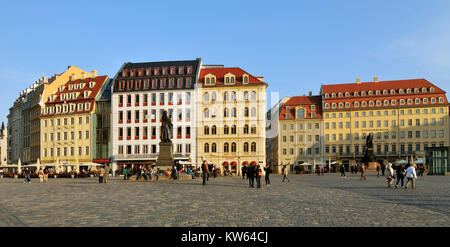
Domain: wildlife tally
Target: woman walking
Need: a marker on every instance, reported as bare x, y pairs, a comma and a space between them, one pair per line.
268, 170
285, 173
401, 172
258, 177
363, 172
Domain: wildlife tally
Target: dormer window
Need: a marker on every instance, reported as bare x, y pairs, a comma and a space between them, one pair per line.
87, 93
124, 73
288, 108
431, 89
377, 92
363, 93
393, 102
370, 93
385, 92
416, 90
91, 84
424, 90
341, 105
408, 90
340, 95
327, 95
441, 100
180, 70
333, 95
71, 87
210, 79
172, 70
392, 91
433, 100
327, 106
229, 79
386, 102
401, 91
402, 102
347, 94
313, 108
333, 105
62, 97
425, 100
87, 106
410, 101
164, 70
364, 104
61, 88
378, 102
245, 79
356, 104
371, 103
347, 104
356, 94
189, 70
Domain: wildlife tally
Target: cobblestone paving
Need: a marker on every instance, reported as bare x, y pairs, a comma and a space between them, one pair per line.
307, 200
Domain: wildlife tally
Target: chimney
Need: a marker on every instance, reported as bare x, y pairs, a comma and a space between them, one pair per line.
358, 80
94, 73
375, 79
310, 93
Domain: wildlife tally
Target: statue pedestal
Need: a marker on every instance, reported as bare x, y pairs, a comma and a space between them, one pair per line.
165, 157
372, 166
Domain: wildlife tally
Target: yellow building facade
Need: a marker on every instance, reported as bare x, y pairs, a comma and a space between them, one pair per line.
405, 117
67, 120
231, 106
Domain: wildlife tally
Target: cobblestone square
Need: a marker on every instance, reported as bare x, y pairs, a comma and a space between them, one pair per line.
305, 201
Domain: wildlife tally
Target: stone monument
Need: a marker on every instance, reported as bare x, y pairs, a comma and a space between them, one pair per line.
369, 156
165, 157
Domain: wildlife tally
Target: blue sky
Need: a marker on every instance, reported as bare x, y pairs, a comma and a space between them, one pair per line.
295, 45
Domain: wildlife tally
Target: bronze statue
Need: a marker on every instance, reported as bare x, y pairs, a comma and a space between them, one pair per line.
369, 141
369, 155
166, 126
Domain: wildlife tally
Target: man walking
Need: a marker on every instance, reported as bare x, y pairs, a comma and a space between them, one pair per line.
258, 177
45, 175
244, 170
268, 170
251, 175
285, 173
411, 176
101, 175
401, 172
205, 171
27, 176
363, 172
179, 167
342, 170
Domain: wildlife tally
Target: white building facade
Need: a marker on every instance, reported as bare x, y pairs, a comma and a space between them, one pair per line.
140, 94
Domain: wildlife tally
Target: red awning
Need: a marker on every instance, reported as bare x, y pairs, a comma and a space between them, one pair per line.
225, 163
254, 163
245, 163
233, 163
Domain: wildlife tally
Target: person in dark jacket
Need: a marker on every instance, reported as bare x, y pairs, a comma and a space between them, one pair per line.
251, 175
244, 171
205, 171
400, 174
268, 170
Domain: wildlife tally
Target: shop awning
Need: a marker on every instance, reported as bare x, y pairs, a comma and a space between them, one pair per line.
233, 163
225, 163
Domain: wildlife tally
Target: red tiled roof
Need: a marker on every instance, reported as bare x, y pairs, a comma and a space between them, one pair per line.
306, 101
381, 85
221, 72
99, 82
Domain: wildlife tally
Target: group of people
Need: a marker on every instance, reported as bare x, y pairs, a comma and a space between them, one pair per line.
103, 175
401, 172
254, 172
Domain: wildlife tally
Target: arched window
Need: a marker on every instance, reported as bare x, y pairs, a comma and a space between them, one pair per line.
245, 95
206, 148
226, 112
233, 129
206, 97
253, 147
246, 112
213, 130
233, 147
356, 104
213, 96
246, 129
213, 148
206, 130
246, 147
253, 111
206, 113
225, 96
233, 112
233, 96
226, 130
327, 106
213, 80
226, 147
253, 96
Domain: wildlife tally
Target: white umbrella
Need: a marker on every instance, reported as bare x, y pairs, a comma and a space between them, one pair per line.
38, 166
306, 164
401, 162
19, 167
419, 161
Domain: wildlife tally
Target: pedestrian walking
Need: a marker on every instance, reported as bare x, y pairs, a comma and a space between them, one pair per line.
342, 170
106, 176
157, 174
421, 170
323, 170
244, 170
205, 171
411, 176
27, 176
101, 175
41, 176
285, 173
179, 167
258, 176
151, 173
389, 175
268, 171
251, 175
46, 175
378, 170
363, 172
401, 173
383, 169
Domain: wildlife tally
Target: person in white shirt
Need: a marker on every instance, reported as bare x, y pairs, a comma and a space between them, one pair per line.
411, 176
389, 173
